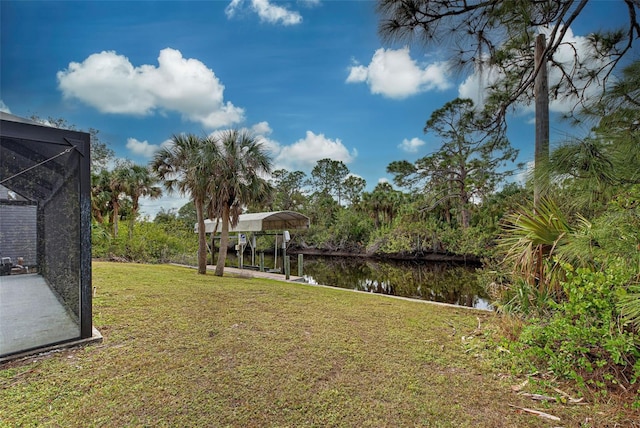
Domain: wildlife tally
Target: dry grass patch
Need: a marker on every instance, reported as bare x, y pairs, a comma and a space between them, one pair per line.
182, 349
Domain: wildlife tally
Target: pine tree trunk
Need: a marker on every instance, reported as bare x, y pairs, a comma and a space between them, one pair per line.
465, 218
541, 92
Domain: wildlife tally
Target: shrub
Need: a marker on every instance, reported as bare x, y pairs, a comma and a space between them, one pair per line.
477, 241
150, 243
584, 339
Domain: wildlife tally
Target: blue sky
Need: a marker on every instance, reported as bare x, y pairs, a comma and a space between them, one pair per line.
312, 78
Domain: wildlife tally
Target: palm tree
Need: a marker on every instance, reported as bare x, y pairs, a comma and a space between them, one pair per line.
116, 184
382, 204
238, 181
139, 182
538, 242
100, 196
187, 166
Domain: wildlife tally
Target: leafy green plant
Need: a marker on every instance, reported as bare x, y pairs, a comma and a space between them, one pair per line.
477, 241
521, 298
584, 340
150, 243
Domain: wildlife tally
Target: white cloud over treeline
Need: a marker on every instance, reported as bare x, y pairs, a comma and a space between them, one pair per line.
304, 153
394, 74
573, 50
412, 145
144, 148
110, 83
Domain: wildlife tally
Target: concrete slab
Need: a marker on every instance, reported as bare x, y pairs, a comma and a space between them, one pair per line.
257, 274
96, 337
31, 316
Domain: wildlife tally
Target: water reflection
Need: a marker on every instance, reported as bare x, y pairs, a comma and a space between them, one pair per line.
439, 282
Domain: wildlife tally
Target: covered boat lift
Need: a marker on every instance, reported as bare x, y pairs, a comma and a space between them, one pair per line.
276, 223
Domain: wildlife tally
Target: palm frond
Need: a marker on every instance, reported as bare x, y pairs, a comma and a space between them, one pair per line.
532, 243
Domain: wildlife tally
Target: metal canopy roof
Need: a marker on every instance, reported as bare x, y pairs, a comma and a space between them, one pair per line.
258, 222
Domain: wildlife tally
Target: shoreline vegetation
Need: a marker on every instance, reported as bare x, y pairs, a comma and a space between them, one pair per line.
418, 256
182, 349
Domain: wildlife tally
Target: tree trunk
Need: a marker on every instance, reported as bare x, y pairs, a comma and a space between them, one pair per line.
116, 215
464, 200
202, 239
213, 245
541, 92
98, 216
134, 214
464, 217
224, 241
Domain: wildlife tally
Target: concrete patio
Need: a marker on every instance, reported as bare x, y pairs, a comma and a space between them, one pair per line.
31, 316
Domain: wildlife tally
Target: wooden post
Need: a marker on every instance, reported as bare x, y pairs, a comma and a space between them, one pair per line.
300, 262
253, 249
284, 258
262, 261
213, 247
275, 254
541, 93
287, 267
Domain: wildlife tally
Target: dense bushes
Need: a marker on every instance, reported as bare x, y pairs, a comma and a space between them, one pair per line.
573, 284
585, 339
150, 243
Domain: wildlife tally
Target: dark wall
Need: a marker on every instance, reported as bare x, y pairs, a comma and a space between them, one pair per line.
18, 233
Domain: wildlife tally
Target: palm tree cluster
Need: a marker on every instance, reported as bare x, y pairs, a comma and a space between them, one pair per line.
121, 187
382, 204
221, 173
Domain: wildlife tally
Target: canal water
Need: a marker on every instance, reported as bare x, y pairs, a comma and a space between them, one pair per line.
439, 282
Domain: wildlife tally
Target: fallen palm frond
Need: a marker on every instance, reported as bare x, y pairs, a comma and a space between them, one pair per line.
629, 307
536, 413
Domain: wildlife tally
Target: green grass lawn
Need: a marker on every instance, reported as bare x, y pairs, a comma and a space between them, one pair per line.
182, 349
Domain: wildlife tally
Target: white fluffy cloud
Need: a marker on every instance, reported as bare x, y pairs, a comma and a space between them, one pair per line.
143, 148
262, 128
412, 145
304, 153
111, 84
4, 108
474, 87
267, 11
261, 132
394, 74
